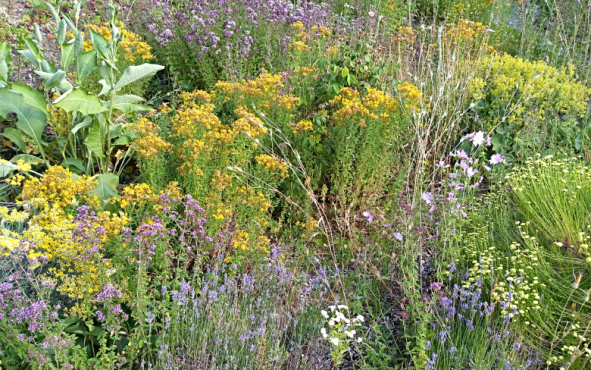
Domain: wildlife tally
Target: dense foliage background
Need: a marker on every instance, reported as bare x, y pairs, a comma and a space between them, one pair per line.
249, 184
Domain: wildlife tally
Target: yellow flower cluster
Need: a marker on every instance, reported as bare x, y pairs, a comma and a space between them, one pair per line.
528, 88
59, 186
465, 30
148, 143
301, 127
240, 240
257, 200
132, 46
375, 104
248, 123
411, 94
404, 35
302, 36
273, 164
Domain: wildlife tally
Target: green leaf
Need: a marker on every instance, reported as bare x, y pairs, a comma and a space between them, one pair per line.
70, 23
32, 96
30, 119
34, 49
67, 55
85, 64
3, 71
48, 67
105, 72
78, 99
106, 87
6, 169
123, 140
29, 55
135, 73
55, 80
76, 163
101, 45
106, 187
62, 28
96, 140
64, 85
15, 136
127, 104
28, 159
5, 52
53, 12
86, 123
78, 44
115, 131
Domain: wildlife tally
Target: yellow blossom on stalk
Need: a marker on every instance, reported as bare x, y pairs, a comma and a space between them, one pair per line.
301, 127
220, 181
149, 143
288, 102
137, 196
253, 199
300, 46
404, 35
58, 186
273, 164
240, 240
411, 94
248, 123
222, 212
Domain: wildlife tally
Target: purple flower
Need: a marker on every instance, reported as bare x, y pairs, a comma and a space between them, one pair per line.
427, 345
427, 197
496, 159
368, 216
398, 236
108, 292
99, 315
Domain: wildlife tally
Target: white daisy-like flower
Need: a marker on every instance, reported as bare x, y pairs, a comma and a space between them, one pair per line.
334, 341
360, 318
359, 340
324, 314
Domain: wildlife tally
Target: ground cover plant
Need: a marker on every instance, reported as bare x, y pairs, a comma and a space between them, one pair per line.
368, 184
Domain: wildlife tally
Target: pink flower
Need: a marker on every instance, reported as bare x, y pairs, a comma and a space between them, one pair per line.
427, 197
368, 216
478, 138
497, 158
398, 236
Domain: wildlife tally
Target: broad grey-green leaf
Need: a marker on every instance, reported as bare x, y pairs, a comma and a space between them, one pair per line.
34, 49
78, 99
135, 73
28, 159
31, 120
106, 187
53, 12
55, 80
86, 123
3, 71
115, 131
127, 103
101, 45
123, 140
70, 23
38, 33
32, 96
104, 71
85, 64
74, 162
62, 28
64, 85
15, 136
78, 44
96, 140
106, 87
29, 55
47, 67
5, 52
67, 55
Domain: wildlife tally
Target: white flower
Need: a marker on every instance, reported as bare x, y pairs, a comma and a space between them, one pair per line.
332, 308
331, 322
360, 318
478, 138
359, 340
334, 341
342, 307
324, 314
350, 333
323, 331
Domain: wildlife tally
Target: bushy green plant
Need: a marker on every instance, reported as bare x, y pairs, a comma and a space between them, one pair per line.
512, 94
